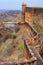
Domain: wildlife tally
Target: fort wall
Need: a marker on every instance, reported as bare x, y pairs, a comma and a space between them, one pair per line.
29, 13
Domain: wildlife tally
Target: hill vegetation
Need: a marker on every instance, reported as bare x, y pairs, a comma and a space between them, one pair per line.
37, 25
13, 47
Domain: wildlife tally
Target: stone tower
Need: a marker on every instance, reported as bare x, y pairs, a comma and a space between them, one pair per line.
23, 11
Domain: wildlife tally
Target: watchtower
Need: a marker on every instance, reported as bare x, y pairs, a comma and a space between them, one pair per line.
23, 11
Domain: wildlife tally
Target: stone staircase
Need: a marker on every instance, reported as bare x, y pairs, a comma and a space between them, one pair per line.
37, 55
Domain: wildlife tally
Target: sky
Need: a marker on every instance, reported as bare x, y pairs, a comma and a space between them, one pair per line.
16, 4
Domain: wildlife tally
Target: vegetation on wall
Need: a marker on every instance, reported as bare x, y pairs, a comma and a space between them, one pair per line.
36, 25
38, 28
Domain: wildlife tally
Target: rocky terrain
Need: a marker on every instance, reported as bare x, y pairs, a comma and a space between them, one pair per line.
12, 43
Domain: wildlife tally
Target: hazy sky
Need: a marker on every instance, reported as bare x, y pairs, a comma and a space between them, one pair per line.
16, 4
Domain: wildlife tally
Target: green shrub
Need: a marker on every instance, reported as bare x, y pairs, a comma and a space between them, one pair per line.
21, 47
14, 36
41, 53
